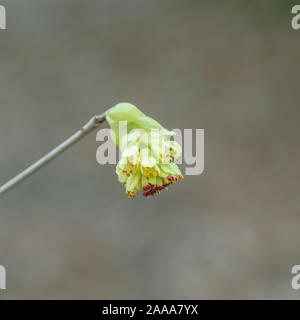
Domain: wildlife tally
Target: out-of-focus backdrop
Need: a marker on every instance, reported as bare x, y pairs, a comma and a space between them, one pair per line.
229, 67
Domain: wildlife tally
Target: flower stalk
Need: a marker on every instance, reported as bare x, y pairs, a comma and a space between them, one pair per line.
77, 136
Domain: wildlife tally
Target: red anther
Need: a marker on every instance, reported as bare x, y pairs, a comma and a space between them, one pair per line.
147, 187
151, 190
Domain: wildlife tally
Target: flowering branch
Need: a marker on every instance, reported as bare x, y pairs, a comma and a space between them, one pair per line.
85, 130
147, 160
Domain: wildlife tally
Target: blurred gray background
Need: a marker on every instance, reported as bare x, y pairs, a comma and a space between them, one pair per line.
230, 67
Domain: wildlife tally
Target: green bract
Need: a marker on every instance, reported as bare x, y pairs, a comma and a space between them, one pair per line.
147, 159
